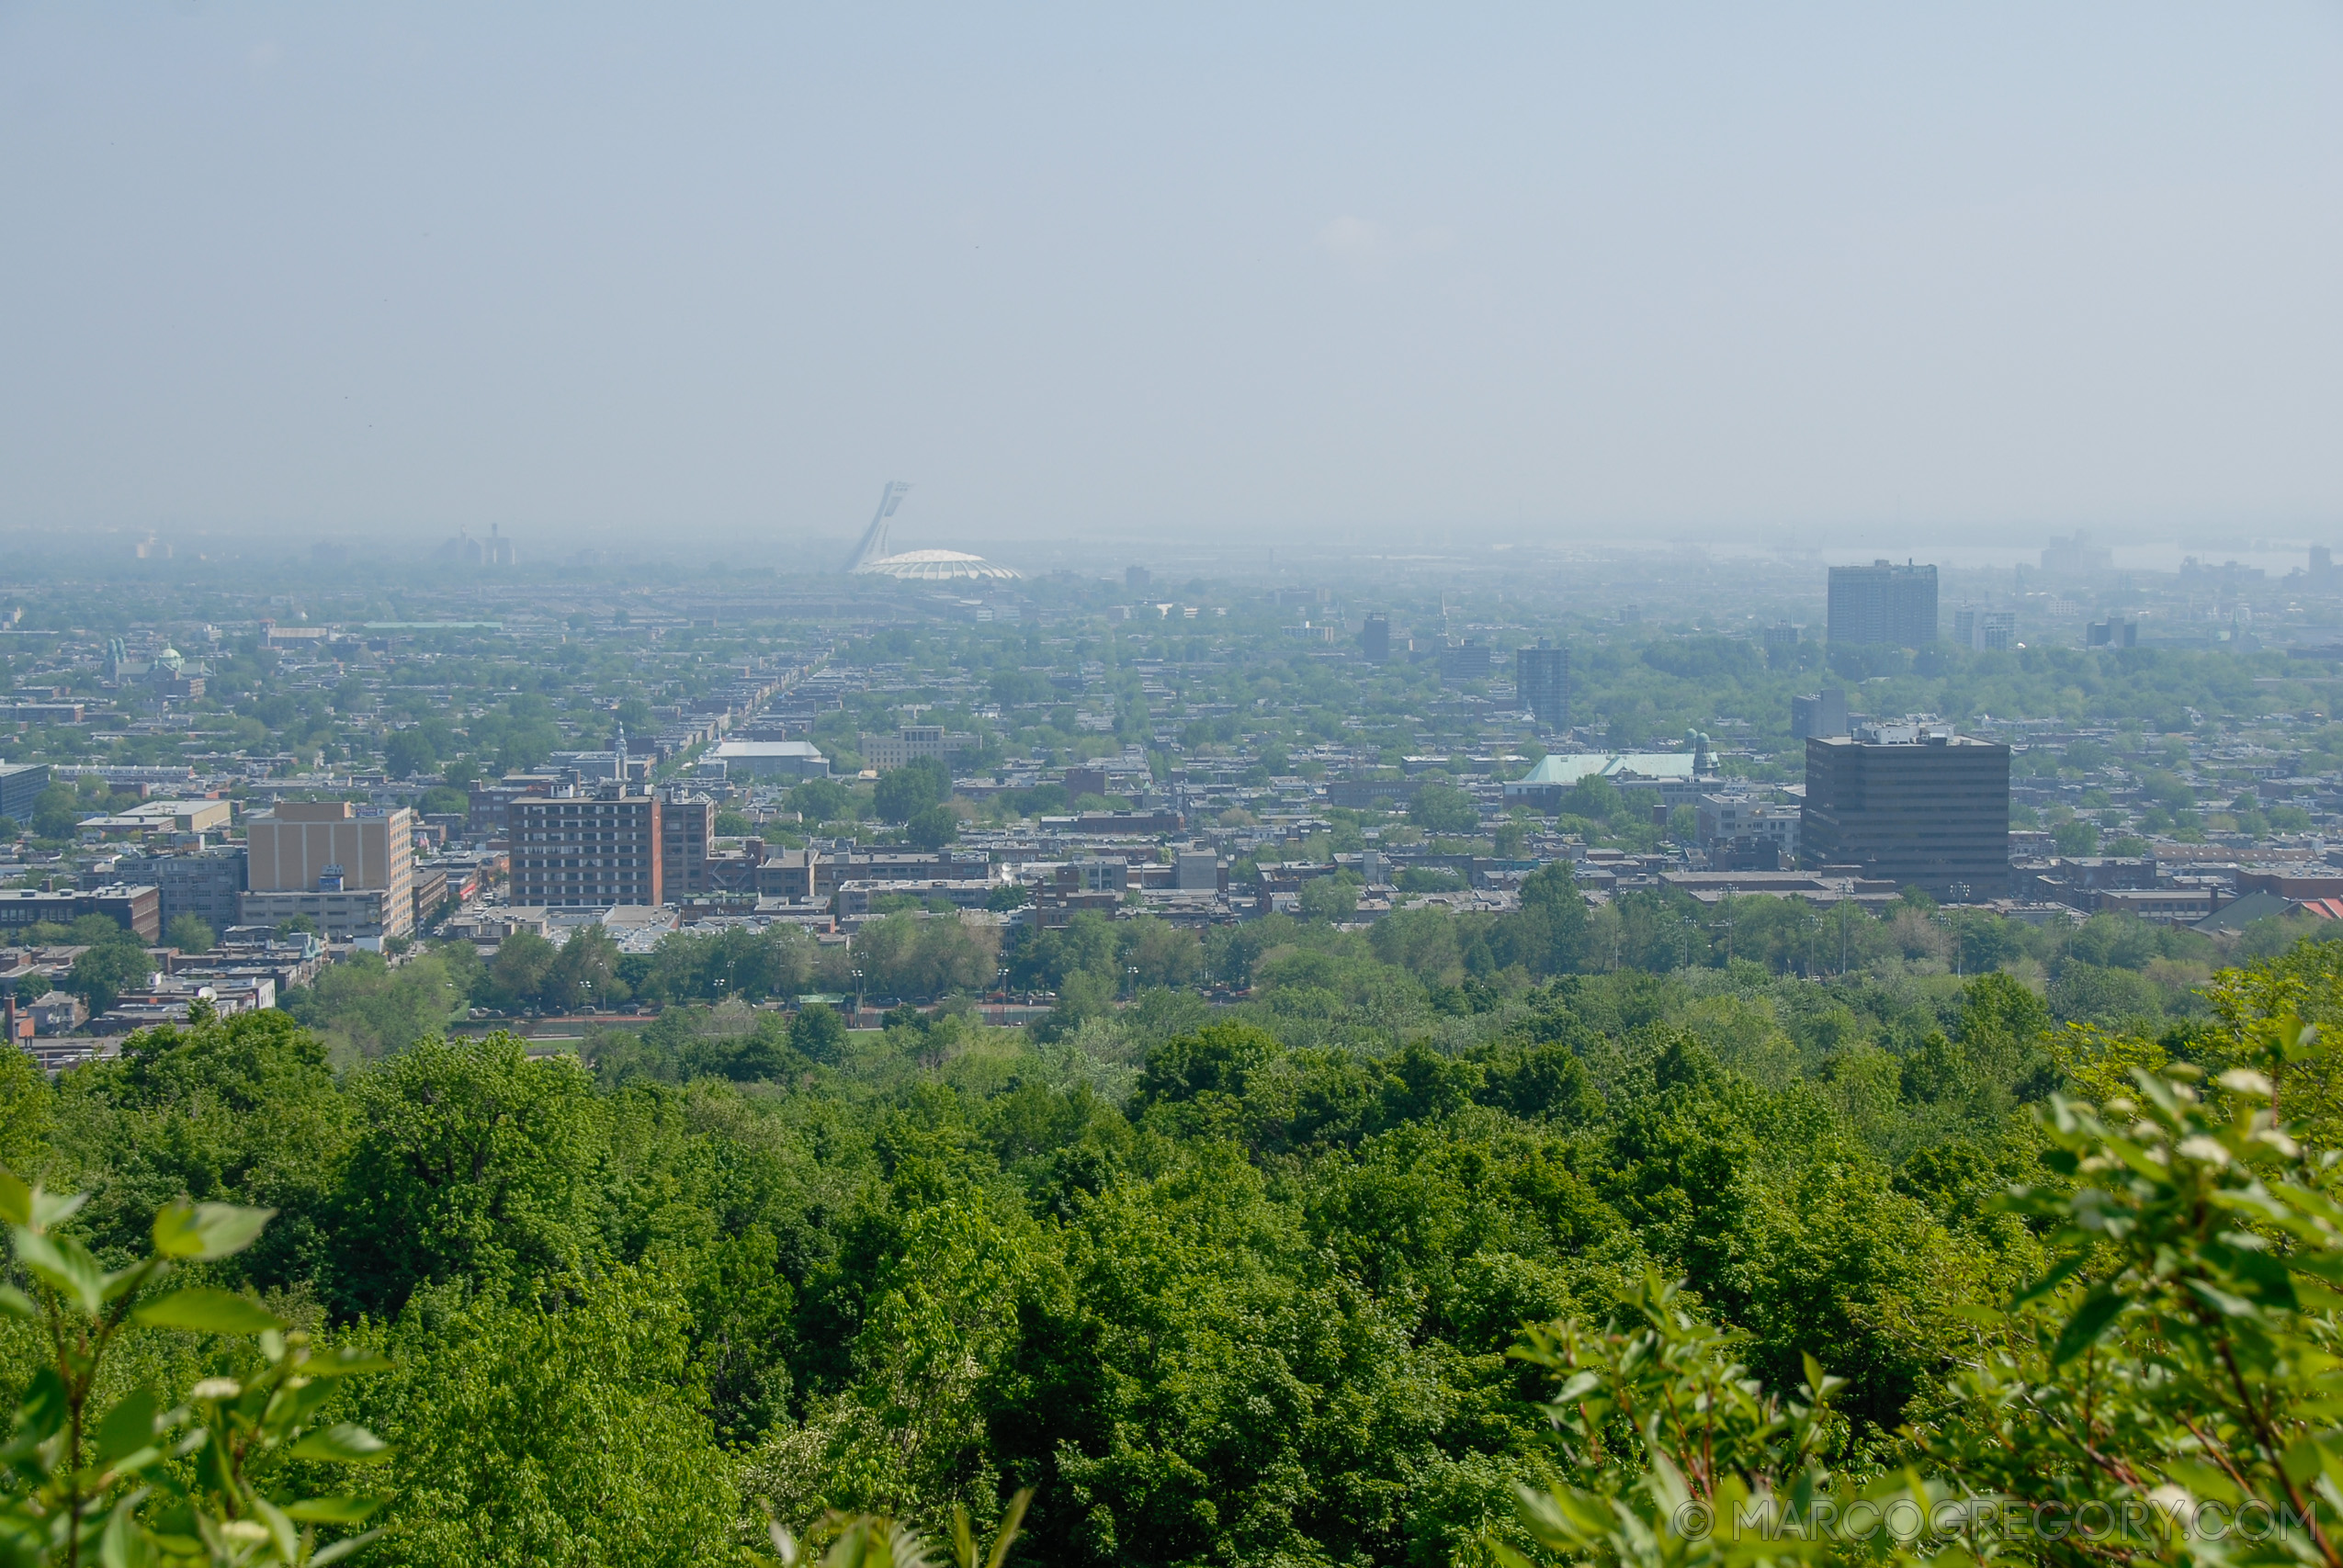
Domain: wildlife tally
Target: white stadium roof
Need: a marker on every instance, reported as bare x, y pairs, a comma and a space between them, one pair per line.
1569, 767
933, 566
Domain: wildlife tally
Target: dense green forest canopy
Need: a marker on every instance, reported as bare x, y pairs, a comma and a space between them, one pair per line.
1231, 1286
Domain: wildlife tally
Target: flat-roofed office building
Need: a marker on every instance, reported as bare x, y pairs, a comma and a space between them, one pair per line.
1913, 803
20, 786
354, 875
300, 842
581, 850
136, 909
207, 883
686, 824
909, 744
1542, 683
1819, 714
1883, 604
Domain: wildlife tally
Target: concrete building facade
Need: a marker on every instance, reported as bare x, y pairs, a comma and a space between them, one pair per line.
1985, 631
1913, 803
1199, 871
1819, 714
576, 849
1724, 818
1542, 683
136, 909
340, 914
686, 824
20, 786
206, 883
1470, 659
909, 744
318, 849
1883, 603
490, 813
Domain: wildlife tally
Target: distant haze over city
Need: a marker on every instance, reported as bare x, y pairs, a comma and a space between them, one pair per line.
1323, 277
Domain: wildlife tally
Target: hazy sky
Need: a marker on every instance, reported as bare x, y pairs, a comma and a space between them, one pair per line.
1619, 270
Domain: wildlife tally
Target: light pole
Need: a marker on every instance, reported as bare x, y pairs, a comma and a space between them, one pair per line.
859, 995
1132, 970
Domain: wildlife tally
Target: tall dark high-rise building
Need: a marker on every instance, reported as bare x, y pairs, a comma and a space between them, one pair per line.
1470, 659
20, 786
687, 822
1883, 604
1375, 637
1913, 803
1542, 679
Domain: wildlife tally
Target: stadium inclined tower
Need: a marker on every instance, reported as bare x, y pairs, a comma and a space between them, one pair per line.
870, 557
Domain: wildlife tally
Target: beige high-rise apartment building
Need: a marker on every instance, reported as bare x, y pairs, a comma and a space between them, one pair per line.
354, 875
